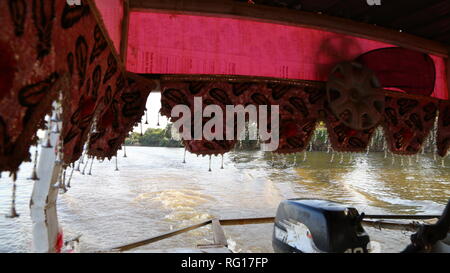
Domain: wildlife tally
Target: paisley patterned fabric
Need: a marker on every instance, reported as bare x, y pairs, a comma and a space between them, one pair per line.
443, 135
47, 47
299, 114
123, 113
407, 120
87, 54
28, 76
345, 139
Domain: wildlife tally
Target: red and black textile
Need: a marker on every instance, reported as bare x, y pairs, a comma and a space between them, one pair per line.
126, 109
443, 133
28, 76
218, 93
345, 139
402, 69
300, 108
407, 122
96, 74
47, 47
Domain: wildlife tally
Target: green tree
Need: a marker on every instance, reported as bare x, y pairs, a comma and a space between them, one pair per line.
154, 137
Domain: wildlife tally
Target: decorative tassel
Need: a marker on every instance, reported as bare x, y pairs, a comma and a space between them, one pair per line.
142, 130
117, 165
63, 188
210, 159
49, 130
85, 166
90, 169
222, 164
158, 124
13, 212
48, 144
34, 175
184, 158
70, 177
78, 166
124, 151
146, 117
82, 157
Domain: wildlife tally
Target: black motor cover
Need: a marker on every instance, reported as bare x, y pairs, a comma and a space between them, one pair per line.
311, 226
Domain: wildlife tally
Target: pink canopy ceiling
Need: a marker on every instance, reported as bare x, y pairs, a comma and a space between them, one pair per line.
112, 14
170, 43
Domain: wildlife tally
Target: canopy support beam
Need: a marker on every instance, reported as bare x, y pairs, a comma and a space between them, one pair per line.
125, 27
233, 9
448, 75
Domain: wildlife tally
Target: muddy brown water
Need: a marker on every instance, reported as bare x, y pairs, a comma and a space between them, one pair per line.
154, 192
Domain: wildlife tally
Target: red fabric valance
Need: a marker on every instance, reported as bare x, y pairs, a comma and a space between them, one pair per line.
407, 119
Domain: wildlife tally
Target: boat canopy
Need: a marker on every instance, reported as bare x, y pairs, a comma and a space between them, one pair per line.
98, 60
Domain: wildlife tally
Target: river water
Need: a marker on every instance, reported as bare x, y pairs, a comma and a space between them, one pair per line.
154, 192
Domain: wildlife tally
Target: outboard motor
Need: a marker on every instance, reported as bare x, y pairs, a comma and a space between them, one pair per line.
318, 226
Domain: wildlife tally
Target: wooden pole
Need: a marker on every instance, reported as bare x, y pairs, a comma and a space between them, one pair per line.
448, 75
402, 217
412, 227
124, 34
250, 221
160, 237
220, 239
44, 216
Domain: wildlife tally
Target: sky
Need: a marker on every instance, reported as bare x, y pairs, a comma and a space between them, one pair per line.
153, 107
